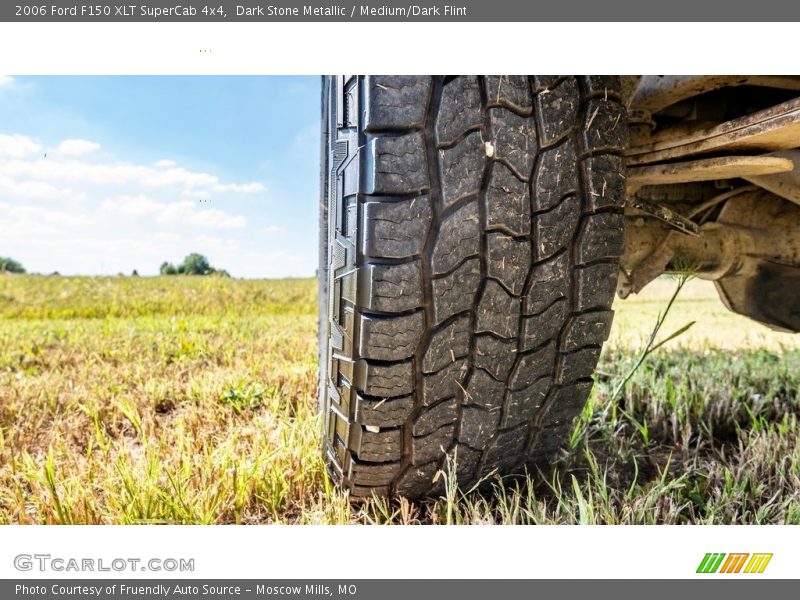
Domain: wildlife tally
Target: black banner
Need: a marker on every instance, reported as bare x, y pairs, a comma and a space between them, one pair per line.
400, 10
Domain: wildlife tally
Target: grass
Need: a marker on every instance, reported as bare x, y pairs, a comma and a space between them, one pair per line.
192, 400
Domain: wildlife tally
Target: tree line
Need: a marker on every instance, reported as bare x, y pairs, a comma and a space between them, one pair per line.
193, 264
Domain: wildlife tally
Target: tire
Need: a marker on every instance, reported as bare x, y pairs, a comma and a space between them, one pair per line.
471, 238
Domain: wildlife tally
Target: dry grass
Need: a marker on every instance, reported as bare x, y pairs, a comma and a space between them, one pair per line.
192, 400
698, 301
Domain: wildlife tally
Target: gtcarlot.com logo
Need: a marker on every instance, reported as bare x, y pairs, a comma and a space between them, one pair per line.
738, 562
58, 564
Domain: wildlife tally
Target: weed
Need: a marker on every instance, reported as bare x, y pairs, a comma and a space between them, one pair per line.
193, 400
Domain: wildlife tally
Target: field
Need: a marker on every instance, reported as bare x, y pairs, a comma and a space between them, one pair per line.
192, 400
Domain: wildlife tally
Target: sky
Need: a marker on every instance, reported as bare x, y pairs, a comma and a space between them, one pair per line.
104, 175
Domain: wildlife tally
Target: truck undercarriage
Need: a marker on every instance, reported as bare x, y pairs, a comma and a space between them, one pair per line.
713, 187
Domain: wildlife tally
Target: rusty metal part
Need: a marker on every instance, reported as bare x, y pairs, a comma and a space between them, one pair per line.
776, 128
786, 185
670, 217
765, 284
711, 254
656, 92
707, 169
753, 227
650, 244
679, 130
772, 225
718, 199
647, 254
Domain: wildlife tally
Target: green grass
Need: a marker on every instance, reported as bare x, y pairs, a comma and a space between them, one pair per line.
192, 400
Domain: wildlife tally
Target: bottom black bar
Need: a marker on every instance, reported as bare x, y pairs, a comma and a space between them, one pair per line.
731, 588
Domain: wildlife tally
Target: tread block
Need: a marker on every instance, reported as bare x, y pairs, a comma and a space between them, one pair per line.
447, 344
557, 110
368, 474
586, 329
384, 381
432, 446
365, 491
461, 168
459, 109
533, 366
484, 390
521, 405
605, 126
607, 85
604, 181
550, 441
537, 330
601, 237
383, 412
466, 461
545, 82
508, 260
577, 365
390, 338
507, 203
549, 282
495, 356
444, 383
455, 293
381, 446
556, 176
459, 238
512, 91
498, 311
514, 140
391, 288
506, 450
555, 229
417, 481
595, 285
434, 417
396, 101
396, 164
396, 229
567, 403
477, 426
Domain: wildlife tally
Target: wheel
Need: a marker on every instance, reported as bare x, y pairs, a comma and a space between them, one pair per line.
471, 240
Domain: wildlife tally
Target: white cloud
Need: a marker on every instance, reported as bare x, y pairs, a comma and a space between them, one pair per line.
6, 80
18, 146
79, 172
173, 213
132, 206
77, 147
164, 164
223, 246
37, 190
239, 188
167, 238
187, 211
26, 214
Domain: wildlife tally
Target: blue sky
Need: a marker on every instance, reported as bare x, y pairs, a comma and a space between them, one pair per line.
101, 175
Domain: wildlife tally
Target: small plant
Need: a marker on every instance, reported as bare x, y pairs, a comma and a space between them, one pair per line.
243, 397
651, 346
